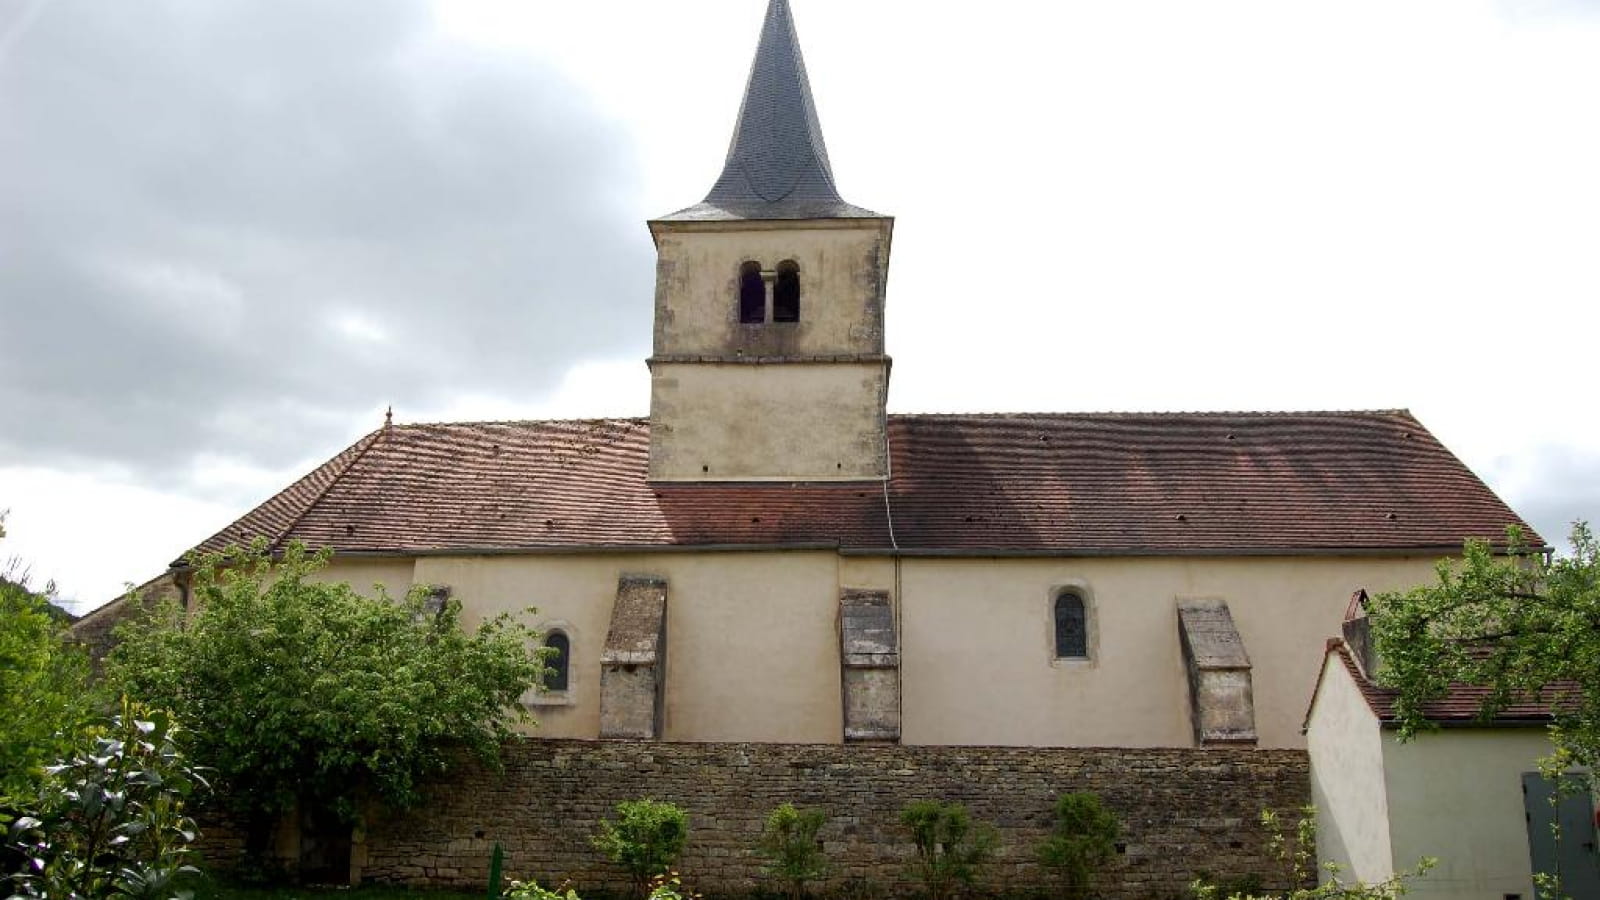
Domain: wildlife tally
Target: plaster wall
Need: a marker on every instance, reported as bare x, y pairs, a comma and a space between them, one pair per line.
752, 638
788, 422
979, 667
1347, 779
1457, 795
843, 264
394, 574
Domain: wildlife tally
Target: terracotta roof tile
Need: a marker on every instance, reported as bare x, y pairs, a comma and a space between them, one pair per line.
1102, 483
1462, 705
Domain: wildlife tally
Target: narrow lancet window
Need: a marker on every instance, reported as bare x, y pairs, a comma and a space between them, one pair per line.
752, 294
1072, 632
786, 293
558, 662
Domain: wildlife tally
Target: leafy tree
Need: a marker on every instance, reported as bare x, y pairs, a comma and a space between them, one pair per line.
109, 820
301, 691
44, 694
789, 842
1082, 841
646, 838
1518, 623
950, 846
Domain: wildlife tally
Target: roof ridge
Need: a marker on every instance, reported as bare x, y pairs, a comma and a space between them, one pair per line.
470, 422
1143, 414
1021, 414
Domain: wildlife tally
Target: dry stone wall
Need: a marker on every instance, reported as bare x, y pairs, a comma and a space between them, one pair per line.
1183, 812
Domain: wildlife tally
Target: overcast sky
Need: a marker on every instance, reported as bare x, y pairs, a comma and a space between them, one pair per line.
232, 233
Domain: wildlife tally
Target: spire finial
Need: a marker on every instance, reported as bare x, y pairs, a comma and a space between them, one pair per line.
388, 417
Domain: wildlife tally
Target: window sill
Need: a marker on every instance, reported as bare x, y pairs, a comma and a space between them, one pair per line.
1072, 662
549, 698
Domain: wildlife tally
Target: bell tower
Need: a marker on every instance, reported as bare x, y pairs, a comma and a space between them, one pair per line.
768, 359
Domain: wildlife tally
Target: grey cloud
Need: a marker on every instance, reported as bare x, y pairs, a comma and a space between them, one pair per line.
1565, 488
228, 227
1548, 12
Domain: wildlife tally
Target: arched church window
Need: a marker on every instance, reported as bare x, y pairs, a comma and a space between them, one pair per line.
558, 663
752, 294
786, 293
1072, 627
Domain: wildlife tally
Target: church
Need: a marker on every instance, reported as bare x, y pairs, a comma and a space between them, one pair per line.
772, 557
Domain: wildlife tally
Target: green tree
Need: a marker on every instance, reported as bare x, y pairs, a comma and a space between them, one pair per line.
646, 838
108, 820
1518, 623
790, 844
1082, 841
950, 846
45, 699
300, 691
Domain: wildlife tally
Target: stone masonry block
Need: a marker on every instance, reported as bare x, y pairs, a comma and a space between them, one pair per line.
633, 663
1221, 699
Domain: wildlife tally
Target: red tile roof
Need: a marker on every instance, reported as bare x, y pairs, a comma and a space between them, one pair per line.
1461, 706
1089, 484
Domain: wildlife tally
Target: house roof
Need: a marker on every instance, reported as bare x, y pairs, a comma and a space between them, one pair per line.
777, 165
1462, 705
1059, 484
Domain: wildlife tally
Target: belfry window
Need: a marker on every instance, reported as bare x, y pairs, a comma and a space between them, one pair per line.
786, 293
558, 663
752, 294
1072, 627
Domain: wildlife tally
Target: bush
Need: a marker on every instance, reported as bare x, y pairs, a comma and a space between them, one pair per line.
530, 890
302, 692
109, 819
1297, 852
45, 694
789, 842
1082, 841
950, 847
646, 838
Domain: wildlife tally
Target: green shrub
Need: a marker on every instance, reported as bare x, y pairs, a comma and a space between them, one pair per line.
668, 886
950, 847
789, 842
1297, 853
108, 820
646, 838
1082, 841
530, 890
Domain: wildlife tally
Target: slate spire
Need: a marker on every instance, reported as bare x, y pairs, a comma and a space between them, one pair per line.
777, 165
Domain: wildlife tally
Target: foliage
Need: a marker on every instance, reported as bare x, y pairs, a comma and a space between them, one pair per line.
950, 846
44, 688
1297, 852
1083, 840
789, 842
1518, 623
668, 886
109, 819
304, 691
531, 890
45, 700
646, 838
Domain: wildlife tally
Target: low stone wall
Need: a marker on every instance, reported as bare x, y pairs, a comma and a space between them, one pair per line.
1182, 812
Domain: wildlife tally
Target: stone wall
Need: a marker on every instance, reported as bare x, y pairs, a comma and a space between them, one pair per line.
1183, 812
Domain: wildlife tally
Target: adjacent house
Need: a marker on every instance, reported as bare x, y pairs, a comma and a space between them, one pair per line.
1468, 794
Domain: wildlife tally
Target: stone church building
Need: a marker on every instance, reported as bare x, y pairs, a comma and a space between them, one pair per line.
772, 557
